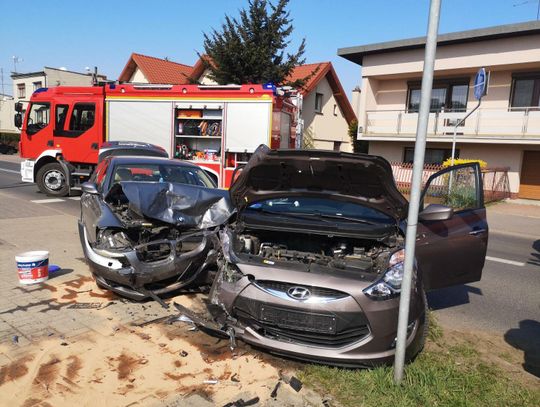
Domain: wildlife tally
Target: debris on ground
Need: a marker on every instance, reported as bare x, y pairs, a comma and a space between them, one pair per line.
242, 403
87, 305
274, 392
183, 353
15, 339
211, 381
296, 384
234, 378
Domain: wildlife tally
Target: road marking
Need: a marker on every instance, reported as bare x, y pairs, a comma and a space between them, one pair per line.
12, 171
52, 200
75, 198
505, 261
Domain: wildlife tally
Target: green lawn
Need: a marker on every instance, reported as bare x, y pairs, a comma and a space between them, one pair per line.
442, 375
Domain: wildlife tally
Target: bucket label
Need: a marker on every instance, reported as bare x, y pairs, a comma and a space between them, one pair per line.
33, 270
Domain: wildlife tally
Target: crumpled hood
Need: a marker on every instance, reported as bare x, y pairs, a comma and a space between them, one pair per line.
182, 205
360, 178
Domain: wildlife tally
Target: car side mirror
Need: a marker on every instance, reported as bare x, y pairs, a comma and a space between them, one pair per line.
18, 107
436, 212
17, 120
89, 188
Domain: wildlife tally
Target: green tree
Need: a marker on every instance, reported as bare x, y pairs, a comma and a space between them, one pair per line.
358, 146
253, 47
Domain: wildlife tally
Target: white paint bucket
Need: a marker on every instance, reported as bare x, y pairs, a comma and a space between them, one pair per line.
33, 267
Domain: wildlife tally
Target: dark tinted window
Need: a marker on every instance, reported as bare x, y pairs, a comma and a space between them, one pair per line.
324, 206
61, 113
82, 117
526, 92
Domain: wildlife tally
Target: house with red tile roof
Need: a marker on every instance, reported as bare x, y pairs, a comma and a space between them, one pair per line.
326, 110
145, 69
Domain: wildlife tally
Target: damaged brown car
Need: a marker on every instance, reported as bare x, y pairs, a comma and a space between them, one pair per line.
311, 267
149, 225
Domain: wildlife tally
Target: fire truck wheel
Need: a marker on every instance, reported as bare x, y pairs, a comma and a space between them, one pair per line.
51, 180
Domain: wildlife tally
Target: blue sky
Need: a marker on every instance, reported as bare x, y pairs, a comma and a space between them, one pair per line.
77, 34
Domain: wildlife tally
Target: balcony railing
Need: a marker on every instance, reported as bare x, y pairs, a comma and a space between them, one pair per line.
522, 123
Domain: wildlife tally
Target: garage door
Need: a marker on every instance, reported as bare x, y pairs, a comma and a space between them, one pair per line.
530, 175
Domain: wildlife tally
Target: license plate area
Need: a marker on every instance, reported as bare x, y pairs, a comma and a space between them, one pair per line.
298, 320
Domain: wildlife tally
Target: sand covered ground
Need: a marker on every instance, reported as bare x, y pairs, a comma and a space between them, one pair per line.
121, 364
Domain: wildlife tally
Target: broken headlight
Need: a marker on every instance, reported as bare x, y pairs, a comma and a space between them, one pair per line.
389, 286
231, 273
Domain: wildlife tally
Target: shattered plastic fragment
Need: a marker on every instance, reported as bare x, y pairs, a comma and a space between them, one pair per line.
210, 381
274, 392
296, 384
183, 353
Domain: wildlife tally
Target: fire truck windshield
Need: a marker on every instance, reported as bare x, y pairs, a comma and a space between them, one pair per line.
38, 117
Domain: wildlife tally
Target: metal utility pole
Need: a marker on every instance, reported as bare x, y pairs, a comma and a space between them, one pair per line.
414, 203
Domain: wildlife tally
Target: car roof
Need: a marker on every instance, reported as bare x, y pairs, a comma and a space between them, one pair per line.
134, 159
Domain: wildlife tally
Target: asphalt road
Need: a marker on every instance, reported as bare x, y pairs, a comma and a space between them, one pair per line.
10, 183
505, 302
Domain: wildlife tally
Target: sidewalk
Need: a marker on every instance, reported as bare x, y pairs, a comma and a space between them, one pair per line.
11, 158
514, 218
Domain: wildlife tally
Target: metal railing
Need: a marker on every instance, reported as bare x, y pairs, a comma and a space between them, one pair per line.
495, 179
513, 123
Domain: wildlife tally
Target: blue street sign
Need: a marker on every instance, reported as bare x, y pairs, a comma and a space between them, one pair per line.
480, 83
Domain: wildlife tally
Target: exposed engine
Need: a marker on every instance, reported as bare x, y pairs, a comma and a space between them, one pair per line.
153, 240
330, 251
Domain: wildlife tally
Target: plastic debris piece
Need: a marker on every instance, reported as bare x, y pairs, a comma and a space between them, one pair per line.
296, 384
232, 339
234, 378
53, 268
242, 403
15, 339
183, 353
274, 392
211, 381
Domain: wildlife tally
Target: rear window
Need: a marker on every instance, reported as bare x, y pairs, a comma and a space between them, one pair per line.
133, 151
308, 205
162, 173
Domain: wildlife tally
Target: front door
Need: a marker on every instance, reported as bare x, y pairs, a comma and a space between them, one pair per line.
37, 134
78, 129
453, 251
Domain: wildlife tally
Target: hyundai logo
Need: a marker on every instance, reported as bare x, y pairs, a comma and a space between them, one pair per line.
298, 293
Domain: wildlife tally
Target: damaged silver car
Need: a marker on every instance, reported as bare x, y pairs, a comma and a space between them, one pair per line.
311, 267
149, 226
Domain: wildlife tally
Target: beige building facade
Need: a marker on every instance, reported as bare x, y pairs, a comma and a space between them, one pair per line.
504, 131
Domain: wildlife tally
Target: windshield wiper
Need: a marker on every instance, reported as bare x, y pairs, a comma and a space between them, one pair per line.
319, 215
330, 216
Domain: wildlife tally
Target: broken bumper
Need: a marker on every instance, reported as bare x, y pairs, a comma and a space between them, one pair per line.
125, 274
348, 329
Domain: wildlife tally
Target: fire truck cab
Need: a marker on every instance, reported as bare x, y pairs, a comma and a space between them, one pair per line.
216, 127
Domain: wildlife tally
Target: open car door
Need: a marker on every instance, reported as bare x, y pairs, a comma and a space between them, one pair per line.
452, 251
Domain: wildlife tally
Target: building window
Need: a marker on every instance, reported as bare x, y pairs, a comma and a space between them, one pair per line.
337, 145
21, 90
37, 85
318, 102
446, 95
526, 91
432, 156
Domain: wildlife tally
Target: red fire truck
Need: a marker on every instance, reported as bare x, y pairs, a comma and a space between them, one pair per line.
216, 127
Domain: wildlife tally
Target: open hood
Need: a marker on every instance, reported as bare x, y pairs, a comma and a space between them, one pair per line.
185, 206
358, 178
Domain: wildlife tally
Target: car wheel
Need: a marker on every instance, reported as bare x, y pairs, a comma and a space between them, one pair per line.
425, 331
52, 180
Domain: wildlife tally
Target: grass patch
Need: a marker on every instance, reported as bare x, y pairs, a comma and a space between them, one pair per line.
442, 375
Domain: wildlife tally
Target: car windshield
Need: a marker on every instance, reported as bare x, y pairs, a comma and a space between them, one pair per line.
323, 207
179, 174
